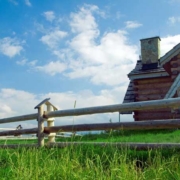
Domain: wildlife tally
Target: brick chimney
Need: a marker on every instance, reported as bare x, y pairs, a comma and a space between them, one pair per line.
150, 52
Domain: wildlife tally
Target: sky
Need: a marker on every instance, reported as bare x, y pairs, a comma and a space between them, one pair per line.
76, 51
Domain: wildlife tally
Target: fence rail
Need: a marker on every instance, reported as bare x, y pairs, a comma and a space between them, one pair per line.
51, 112
145, 105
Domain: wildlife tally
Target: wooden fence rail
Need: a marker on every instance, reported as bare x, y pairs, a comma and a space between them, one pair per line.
19, 118
143, 125
145, 105
158, 124
51, 112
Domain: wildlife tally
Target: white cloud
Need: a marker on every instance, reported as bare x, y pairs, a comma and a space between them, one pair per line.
173, 20
84, 19
32, 63
10, 47
106, 61
22, 62
132, 24
6, 110
28, 3
167, 43
53, 38
49, 15
52, 68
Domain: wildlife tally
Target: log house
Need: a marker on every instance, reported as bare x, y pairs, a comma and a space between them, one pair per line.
154, 78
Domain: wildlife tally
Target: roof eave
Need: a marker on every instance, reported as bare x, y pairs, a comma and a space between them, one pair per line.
147, 75
169, 55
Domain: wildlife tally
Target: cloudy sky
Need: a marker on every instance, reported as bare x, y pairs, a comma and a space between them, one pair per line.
76, 51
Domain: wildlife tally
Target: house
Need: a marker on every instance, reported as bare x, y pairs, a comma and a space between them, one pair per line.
154, 78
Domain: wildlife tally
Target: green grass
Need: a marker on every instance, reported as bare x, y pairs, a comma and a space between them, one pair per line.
88, 162
156, 136
159, 136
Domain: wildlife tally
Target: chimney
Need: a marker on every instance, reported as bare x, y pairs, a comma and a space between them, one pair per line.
150, 52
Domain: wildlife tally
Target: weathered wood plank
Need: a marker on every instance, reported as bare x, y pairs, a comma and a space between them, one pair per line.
130, 96
152, 91
175, 68
174, 65
159, 124
176, 72
130, 92
155, 116
19, 132
164, 103
152, 81
155, 110
153, 86
150, 96
19, 118
40, 126
147, 99
130, 88
177, 61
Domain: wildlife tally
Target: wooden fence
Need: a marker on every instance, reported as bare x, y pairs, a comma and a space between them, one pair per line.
47, 112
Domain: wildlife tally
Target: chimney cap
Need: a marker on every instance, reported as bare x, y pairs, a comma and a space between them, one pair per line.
151, 38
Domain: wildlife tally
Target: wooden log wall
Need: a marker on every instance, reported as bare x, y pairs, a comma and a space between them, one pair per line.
173, 67
152, 89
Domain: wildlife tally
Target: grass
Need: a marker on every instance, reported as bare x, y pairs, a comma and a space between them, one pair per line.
150, 136
157, 136
88, 162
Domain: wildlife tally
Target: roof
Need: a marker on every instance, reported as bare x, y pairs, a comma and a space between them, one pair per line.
129, 96
169, 55
139, 73
45, 101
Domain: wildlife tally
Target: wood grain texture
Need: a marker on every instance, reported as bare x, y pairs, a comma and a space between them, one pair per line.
158, 124
163, 103
153, 86
19, 118
153, 80
152, 91
19, 132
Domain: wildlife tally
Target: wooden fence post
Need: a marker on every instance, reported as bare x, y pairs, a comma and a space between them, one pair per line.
40, 126
41, 118
50, 123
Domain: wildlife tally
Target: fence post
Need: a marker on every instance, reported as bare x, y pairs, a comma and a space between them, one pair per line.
40, 126
50, 123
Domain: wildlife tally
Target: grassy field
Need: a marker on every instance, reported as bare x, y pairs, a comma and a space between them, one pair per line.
159, 136
91, 162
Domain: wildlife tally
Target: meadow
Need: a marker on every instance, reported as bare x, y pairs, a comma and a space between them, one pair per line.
94, 162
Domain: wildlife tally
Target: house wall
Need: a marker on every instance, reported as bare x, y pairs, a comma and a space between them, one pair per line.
152, 89
173, 66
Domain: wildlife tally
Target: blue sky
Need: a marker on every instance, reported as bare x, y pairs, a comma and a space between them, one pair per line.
76, 51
